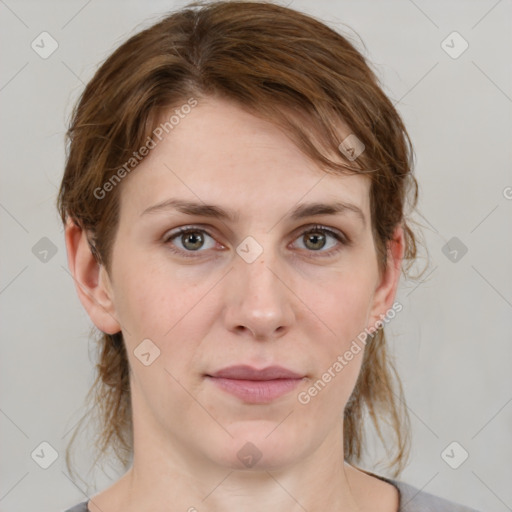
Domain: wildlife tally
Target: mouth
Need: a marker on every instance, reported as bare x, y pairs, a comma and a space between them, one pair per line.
256, 386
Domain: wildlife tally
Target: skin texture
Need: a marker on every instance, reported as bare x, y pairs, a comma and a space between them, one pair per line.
300, 305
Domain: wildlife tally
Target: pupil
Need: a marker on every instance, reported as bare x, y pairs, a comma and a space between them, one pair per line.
316, 238
196, 244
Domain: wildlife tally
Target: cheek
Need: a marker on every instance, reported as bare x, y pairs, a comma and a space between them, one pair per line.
169, 307
345, 305
151, 298
154, 304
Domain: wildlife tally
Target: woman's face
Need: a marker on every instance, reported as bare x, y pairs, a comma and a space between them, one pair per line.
245, 285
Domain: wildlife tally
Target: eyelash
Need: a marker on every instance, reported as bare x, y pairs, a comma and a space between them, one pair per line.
341, 238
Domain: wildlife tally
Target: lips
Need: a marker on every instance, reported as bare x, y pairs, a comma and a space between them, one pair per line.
244, 372
256, 386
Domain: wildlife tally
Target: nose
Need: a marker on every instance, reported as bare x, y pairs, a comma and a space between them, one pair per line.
259, 301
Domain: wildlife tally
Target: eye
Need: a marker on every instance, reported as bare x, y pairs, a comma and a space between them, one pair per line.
188, 240
317, 238
192, 239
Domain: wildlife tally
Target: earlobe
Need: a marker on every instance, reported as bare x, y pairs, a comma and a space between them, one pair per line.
91, 280
386, 290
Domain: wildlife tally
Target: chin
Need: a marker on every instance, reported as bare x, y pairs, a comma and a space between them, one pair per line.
259, 446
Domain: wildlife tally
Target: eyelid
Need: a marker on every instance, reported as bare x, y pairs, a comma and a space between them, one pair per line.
340, 236
320, 227
176, 232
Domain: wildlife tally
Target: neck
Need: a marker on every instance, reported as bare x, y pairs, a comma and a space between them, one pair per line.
158, 481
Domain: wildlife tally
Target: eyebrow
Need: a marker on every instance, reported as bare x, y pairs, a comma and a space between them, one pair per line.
209, 210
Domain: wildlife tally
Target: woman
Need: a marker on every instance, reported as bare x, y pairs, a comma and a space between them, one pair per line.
234, 201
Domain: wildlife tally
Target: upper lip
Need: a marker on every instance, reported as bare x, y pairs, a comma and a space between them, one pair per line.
245, 372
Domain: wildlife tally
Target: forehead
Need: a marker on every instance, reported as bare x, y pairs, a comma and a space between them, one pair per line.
221, 154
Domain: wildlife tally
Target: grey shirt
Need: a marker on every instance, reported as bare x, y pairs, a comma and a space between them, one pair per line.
411, 500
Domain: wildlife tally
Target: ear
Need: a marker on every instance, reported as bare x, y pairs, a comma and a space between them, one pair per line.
385, 292
91, 280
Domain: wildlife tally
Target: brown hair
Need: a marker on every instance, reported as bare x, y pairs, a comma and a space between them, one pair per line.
283, 66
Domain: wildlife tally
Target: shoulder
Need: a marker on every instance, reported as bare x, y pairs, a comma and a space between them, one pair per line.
81, 507
416, 500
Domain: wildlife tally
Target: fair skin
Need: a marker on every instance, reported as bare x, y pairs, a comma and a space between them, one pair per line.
299, 304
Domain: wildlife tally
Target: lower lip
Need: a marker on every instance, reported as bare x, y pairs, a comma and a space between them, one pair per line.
256, 391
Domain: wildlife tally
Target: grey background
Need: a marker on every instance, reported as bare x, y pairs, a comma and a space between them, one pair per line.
452, 340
